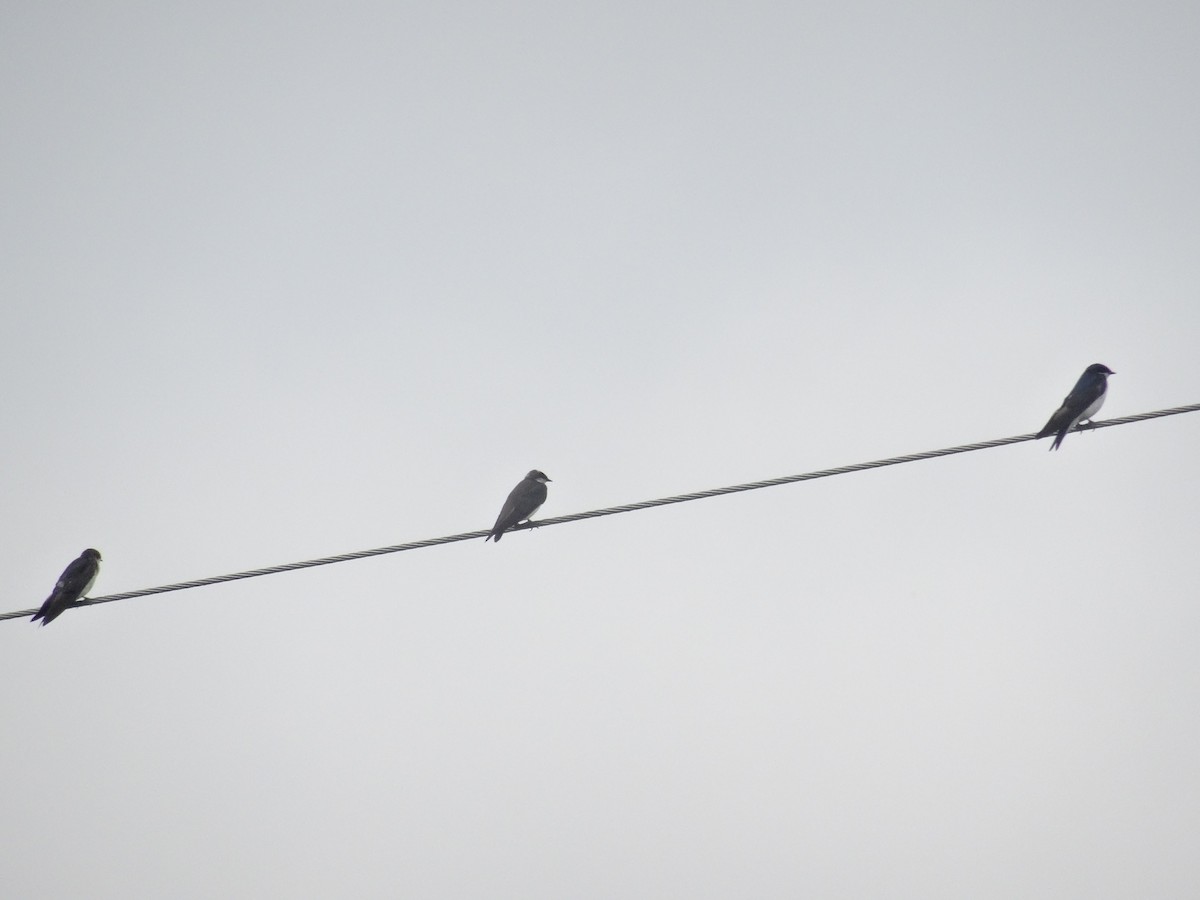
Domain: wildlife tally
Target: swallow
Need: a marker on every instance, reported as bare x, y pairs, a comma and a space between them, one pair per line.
526, 499
76, 580
1081, 404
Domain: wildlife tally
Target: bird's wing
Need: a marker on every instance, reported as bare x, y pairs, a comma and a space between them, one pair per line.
76, 578
509, 509
1062, 417
1084, 394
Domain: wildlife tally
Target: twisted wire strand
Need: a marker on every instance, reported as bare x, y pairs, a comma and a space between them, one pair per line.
613, 510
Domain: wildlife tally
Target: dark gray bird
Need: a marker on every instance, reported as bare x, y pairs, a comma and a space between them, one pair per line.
526, 499
76, 580
1081, 404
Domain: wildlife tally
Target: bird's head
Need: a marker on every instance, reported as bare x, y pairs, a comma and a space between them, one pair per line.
91, 554
538, 476
1099, 369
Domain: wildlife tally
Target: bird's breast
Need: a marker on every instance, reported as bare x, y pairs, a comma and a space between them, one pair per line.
1094, 407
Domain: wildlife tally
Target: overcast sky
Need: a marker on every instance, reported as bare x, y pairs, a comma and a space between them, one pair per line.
283, 281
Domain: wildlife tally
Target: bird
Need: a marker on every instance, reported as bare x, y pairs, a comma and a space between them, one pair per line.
76, 580
526, 499
1081, 404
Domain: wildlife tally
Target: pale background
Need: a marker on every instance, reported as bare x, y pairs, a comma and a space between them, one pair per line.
281, 281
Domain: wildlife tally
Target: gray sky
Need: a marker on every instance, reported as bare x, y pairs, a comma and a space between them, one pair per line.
281, 283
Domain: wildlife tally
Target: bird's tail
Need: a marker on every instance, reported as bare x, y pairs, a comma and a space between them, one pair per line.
1056, 422
48, 613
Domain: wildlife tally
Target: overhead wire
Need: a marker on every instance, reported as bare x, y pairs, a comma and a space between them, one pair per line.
612, 510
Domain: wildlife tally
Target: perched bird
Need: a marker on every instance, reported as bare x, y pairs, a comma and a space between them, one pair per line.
526, 499
1081, 404
76, 580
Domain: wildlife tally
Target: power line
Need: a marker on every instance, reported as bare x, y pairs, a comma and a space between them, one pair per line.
613, 510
